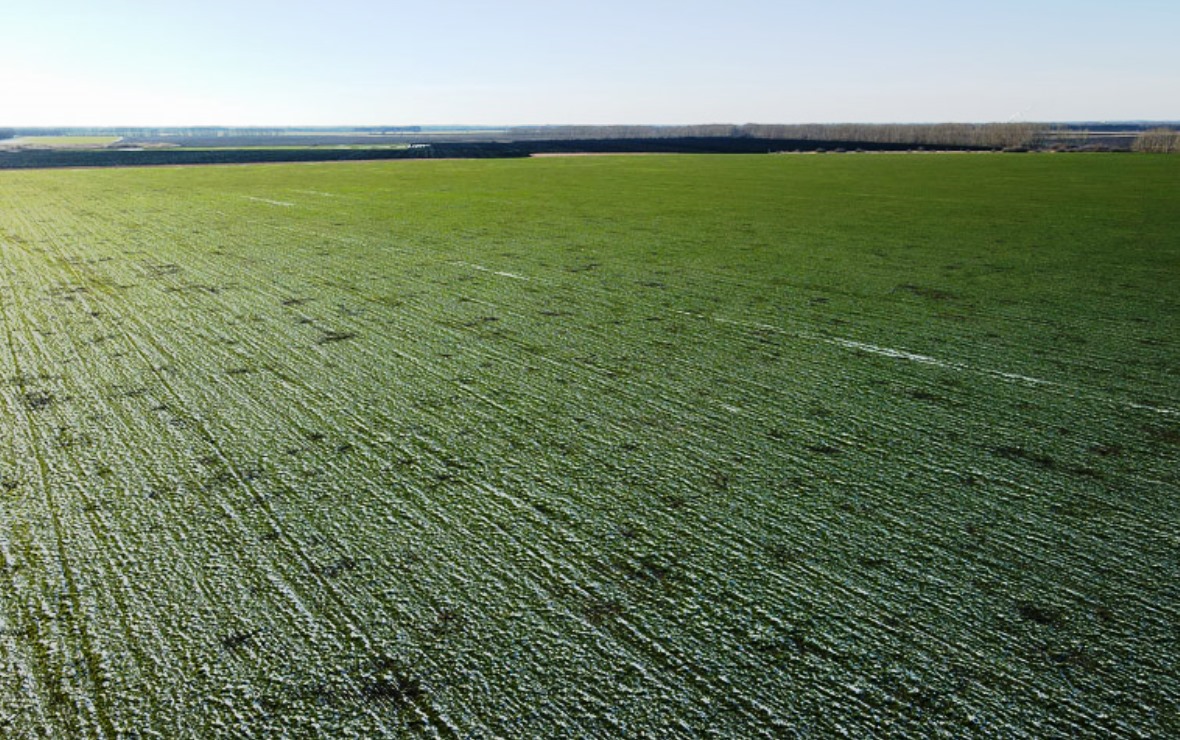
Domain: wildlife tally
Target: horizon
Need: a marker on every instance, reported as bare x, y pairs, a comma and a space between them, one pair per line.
392, 127
137, 64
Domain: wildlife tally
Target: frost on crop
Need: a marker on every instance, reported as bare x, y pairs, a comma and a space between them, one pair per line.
670, 447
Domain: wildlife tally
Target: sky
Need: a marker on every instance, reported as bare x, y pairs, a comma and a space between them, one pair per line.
514, 62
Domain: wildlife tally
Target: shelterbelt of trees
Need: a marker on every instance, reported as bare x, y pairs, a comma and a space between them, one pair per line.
984, 135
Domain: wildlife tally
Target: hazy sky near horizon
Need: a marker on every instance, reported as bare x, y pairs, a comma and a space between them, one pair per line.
298, 62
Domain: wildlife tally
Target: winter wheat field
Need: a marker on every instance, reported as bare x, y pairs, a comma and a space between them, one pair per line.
765, 446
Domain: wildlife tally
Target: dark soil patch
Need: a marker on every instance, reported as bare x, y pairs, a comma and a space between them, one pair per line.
1043, 614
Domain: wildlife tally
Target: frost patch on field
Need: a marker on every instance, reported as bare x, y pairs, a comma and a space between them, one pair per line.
1156, 409
282, 203
481, 268
901, 354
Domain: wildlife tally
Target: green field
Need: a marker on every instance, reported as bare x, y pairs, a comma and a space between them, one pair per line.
673, 446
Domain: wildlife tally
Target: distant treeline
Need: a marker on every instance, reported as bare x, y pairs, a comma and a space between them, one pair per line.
710, 145
1157, 141
7, 133
982, 135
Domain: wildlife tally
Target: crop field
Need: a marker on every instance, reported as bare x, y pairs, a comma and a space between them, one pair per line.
62, 142
733, 446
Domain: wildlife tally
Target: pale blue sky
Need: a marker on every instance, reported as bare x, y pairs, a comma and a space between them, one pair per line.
223, 62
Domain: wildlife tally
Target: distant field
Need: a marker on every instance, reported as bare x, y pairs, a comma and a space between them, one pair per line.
296, 147
62, 142
747, 446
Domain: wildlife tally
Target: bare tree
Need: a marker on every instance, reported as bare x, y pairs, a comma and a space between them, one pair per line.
1157, 141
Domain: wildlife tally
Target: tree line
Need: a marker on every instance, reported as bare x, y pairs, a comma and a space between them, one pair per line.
982, 135
1157, 141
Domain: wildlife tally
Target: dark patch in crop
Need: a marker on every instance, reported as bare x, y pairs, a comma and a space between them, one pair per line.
543, 507
338, 567
649, 568
386, 680
600, 611
1019, 453
250, 473
783, 553
1043, 614
1073, 656
315, 436
819, 411
344, 448
481, 320
976, 534
933, 294
239, 371
8, 485
447, 620
825, 449
236, 640
335, 336
1087, 472
874, 562
1104, 614
777, 434
719, 480
66, 438
295, 301
1106, 451
193, 288
169, 268
626, 531
1169, 435
553, 313
921, 395
584, 268
38, 400
23, 379
796, 643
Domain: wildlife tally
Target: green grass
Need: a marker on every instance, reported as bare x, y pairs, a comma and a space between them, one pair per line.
603, 446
